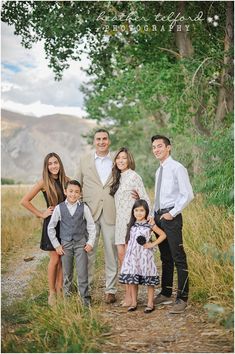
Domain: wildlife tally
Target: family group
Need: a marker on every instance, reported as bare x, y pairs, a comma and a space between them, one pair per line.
108, 198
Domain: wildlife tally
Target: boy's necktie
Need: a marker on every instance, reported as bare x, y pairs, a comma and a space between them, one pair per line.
159, 182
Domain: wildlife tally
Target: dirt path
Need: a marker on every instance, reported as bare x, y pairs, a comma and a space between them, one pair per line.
135, 332
18, 272
159, 331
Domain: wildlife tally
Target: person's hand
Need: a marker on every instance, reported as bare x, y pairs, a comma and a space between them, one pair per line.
151, 220
166, 216
88, 248
47, 212
135, 195
148, 245
59, 250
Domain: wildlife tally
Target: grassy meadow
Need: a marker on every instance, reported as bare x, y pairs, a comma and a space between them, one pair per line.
30, 325
18, 225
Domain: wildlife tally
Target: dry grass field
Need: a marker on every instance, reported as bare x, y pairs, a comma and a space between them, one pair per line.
30, 325
19, 226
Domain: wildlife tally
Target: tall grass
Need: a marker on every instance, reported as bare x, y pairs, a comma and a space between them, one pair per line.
65, 328
208, 239
31, 326
18, 226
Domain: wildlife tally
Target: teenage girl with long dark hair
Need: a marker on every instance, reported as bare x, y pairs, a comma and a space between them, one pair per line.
52, 186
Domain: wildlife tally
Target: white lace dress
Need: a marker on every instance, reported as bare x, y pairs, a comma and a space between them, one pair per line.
130, 181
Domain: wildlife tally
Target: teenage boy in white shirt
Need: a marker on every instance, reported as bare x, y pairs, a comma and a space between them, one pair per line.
173, 192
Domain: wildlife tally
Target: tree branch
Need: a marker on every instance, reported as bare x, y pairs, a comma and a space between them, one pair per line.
194, 75
177, 55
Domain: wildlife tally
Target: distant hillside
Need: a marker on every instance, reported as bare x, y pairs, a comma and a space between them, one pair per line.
26, 140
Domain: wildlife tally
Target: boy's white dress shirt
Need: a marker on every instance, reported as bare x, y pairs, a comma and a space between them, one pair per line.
56, 216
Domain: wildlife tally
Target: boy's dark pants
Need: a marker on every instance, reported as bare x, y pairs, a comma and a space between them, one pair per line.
74, 249
172, 252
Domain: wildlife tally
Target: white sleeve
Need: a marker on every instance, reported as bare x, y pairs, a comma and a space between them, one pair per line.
52, 225
91, 229
185, 191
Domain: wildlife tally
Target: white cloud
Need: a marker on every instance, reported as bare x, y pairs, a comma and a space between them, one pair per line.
28, 83
8, 86
39, 109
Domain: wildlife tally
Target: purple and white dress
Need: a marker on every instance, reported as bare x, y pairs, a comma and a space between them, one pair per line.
138, 266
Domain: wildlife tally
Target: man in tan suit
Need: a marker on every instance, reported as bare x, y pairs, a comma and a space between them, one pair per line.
95, 176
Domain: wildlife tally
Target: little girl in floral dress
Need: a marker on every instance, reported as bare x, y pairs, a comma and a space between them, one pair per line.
139, 267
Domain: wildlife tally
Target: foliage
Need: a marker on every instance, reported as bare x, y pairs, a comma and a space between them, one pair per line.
217, 180
208, 240
7, 181
139, 76
218, 312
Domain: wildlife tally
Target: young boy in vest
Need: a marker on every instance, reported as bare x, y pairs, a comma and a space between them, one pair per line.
77, 233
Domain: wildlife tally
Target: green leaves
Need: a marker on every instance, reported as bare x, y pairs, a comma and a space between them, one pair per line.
218, 170
139, 78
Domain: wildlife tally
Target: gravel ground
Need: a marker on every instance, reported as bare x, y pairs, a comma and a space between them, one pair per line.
15, 280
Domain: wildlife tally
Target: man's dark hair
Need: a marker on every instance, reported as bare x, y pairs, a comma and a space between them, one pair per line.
101, 130
74, 182
164, 138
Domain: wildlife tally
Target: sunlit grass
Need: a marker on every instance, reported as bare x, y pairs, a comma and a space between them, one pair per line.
208, 242
18, 226
36, 327
208, 239
31, 326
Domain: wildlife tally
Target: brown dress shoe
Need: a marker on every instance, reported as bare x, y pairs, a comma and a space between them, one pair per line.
110, 298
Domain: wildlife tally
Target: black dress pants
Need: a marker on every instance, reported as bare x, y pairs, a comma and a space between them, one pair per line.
172, 253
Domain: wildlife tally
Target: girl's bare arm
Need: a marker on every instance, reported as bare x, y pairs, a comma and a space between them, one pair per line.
26, 201
162, 237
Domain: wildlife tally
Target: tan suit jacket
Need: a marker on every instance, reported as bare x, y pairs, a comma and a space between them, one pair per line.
94, 193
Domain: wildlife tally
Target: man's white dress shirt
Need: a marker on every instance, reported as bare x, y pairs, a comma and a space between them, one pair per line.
176, 189
104, 167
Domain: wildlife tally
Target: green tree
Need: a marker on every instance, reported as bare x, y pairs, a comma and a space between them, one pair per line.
175, 81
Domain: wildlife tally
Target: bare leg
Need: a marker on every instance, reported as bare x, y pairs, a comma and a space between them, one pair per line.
55, 259
150, 296
121, 253
59, 278
133, 290
128, 298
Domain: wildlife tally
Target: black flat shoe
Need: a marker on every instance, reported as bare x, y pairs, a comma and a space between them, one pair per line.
132, 308
149, 309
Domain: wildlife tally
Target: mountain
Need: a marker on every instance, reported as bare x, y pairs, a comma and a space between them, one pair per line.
26, 140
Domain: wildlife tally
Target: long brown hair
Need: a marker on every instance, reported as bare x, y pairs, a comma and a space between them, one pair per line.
116, 173
53, 192
138, 203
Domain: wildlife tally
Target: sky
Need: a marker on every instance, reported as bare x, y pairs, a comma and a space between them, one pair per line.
28, 84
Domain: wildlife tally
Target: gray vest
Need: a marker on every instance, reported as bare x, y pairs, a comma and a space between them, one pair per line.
73, 227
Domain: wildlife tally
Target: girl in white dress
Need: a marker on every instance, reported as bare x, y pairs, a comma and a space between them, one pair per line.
127, 186
138, 267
